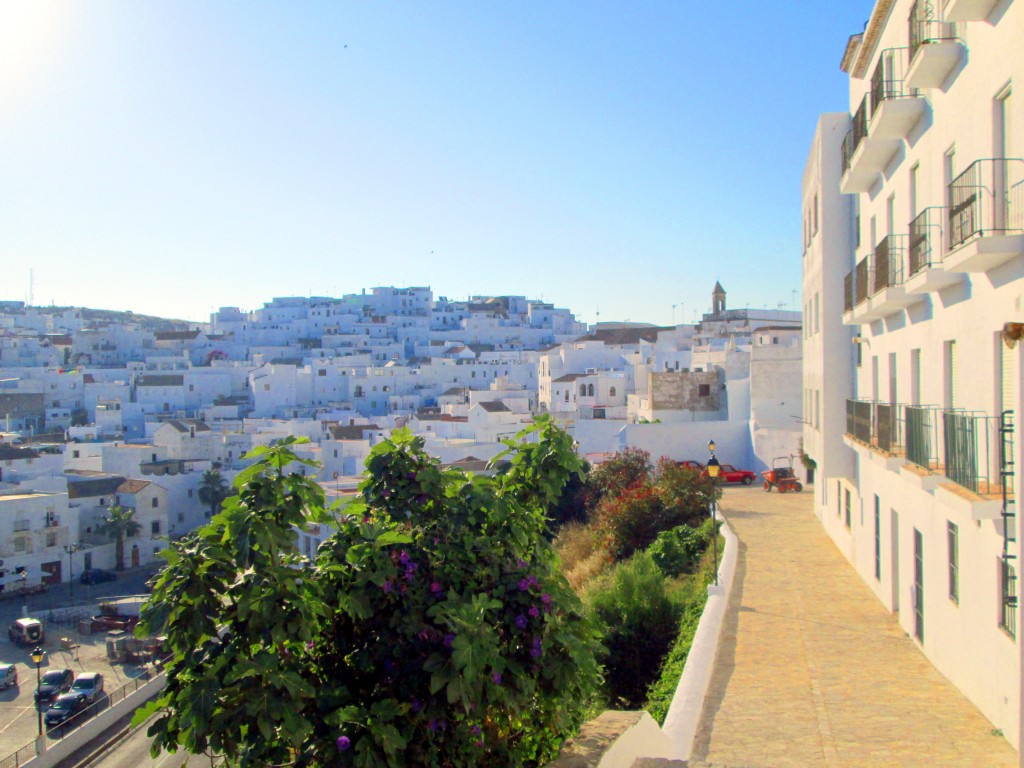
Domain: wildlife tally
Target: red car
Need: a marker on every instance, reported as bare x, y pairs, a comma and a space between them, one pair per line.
729, 474
688, 464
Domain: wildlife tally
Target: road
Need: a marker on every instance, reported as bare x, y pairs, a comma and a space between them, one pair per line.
133, 752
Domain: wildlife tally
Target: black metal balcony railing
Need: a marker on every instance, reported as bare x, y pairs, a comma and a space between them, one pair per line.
925, 242
860, 123
858, 420
921, 429
986, 199
847, 152
888, 263
926, 25
848, 292
887, 79
861, 281
972, 453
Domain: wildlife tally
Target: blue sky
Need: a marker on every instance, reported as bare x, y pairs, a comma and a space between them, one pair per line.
172, 157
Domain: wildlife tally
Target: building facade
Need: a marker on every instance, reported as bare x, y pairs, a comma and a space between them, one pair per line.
914, 252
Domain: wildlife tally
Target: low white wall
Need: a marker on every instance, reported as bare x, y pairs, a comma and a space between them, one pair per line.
58, 751
687, 705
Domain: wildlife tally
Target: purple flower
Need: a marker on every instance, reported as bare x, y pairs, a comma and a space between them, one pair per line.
435, 587
545, 598
521, 621
432, 724
479, 743
448, 640
475, 729
343, 743
533, 611
535, 651
417, 705
521, 563
410, 475
496, 677
532, 580
523, 585
421, 499
386, 494
403, 557
387, 586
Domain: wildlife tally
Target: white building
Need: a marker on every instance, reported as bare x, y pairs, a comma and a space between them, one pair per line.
914, 251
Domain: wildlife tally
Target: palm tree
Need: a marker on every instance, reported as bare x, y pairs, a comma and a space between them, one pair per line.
213, 490
118, 525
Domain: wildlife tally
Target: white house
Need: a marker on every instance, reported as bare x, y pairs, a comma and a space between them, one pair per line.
914, 251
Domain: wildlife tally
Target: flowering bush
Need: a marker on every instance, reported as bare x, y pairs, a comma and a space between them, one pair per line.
433, 629
626, 469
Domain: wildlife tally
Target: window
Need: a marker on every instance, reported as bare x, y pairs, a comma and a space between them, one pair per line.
76, 454
1008, 597
51, 539
815, 226
953, 546
321, 372
878, 539
703, 390
590, 390
611, 392
567, 395
583, 390
846, 508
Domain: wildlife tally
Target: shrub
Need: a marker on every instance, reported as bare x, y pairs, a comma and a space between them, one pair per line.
690, 492
640, 622
583, 554
627, 468
434, 628
678, 551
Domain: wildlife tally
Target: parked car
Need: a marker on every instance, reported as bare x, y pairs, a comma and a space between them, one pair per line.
53, 684
96, 576
8, 676
64, 708
26, 632
90, 684
690, 464
729, 474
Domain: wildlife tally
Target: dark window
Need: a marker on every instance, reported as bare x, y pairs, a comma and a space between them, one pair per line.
703, 390
953, 542
878, 539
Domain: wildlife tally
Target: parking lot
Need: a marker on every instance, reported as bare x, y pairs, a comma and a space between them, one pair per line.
65, 647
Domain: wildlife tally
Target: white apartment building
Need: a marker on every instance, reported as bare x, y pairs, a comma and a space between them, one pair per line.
914, 251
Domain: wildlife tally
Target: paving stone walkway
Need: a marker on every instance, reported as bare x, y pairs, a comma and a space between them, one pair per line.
812, 670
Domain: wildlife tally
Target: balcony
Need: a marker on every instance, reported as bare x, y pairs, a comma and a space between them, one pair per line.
968, 10
986, 215
926, 272
935, 49
856, 178
973, 454
876, 430
888, 296
857, 284
865, 154
895, 108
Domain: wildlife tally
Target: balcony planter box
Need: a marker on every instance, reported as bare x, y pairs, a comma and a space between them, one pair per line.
983, 253
967, 502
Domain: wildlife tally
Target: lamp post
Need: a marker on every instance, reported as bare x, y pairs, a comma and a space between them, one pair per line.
37, 658
713, 468
71, 549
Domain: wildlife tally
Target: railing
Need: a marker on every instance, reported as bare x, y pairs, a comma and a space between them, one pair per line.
855, 135
861, 281
887, 79
879, 425
848, 292
19, 758
858, 420
889, 262
921, 430
987, 198
973, 451
925, 242
889, 427
926, 25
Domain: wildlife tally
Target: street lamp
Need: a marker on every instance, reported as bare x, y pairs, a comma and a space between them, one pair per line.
71, 549
37, 658
713, 468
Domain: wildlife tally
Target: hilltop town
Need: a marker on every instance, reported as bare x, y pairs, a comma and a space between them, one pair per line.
100, 409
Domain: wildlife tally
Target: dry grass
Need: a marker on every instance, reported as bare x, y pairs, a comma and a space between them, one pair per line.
583, 553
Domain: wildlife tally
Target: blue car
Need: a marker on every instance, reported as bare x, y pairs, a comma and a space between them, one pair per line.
96, 576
